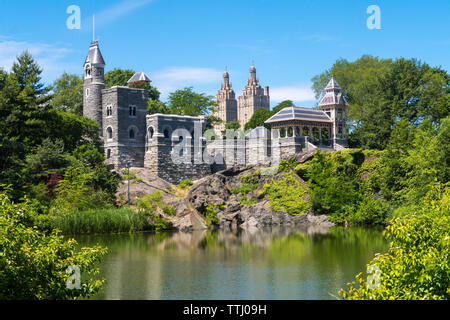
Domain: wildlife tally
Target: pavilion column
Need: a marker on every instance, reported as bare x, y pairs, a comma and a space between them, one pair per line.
320, 135
310, 131
301, 131
293, 131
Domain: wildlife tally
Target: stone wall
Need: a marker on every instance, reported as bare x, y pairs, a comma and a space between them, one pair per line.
174, 147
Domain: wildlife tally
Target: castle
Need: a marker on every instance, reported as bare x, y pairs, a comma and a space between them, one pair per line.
175, 147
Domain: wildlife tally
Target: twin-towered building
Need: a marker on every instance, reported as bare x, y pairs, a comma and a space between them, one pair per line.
174, 147
253, 97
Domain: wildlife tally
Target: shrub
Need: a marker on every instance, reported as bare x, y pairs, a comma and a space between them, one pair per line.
417, 265
287, 194
149, 206
33, 264
210, 213
185, 184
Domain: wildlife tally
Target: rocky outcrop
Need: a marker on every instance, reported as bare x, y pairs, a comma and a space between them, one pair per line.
216, 190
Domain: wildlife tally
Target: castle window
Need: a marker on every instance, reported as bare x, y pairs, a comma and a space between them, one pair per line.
151, 131
339, 115
132, 111
132, 134
166, 133
109, 133
87, 92
108, 111
108, 153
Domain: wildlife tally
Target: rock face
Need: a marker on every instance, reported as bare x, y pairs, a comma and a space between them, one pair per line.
216, 190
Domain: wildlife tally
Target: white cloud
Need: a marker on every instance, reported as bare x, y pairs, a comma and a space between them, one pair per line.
170, 79
50, 58
294, 93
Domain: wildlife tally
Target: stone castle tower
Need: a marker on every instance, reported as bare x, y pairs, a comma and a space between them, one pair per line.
227, 103
94, 83
120, 111
253, 97
334, 105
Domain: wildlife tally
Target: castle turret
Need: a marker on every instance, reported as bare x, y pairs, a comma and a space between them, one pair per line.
227, 103
334, 105
94, 83
253, 97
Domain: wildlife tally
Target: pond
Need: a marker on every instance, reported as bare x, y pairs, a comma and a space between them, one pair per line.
246, 264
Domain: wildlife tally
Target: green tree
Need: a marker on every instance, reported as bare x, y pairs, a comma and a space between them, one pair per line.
68, 93
258, 118
233, 125
34, 265
189, 103
120, 77
155, 106
382, 92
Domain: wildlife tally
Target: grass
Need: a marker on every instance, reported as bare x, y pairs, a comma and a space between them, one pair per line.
115, 220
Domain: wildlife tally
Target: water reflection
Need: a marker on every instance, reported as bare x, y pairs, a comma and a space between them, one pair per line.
246, 264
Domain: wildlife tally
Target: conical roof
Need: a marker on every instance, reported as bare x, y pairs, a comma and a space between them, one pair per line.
139, 77
94, 55
333, 85
333, 95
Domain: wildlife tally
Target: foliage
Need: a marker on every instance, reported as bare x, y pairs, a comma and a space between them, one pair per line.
77, 190
155, 106
120, 77
189, 103
33, 265
112, 220
151, 206
186, 183
233, 125
286, 193
68, 93
210, 213
417, 265
381, 92
258, 118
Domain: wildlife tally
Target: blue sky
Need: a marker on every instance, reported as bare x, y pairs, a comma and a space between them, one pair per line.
188, 43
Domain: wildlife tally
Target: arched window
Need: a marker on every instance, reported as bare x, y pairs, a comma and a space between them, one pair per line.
151, 131
282, 132
109, 133
132, 134
108, 153
87, 92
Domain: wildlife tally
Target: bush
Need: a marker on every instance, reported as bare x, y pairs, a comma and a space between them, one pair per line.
417, 265
287, 194
33, 264
150, 205
185, 184
210, 213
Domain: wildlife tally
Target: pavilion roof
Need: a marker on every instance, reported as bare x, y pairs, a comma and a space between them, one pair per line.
298, 113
